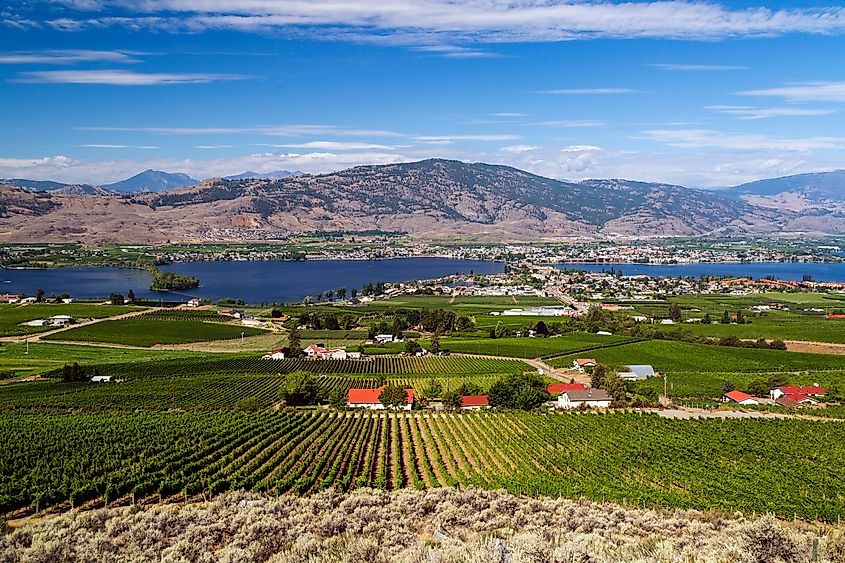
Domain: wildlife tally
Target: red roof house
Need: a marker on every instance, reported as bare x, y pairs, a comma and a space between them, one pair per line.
740, 397
808, 390
474, 401
555, 388
368, 398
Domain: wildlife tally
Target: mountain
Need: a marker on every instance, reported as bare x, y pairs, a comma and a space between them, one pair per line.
431, 199
801, 192
40, 185
276, 175
151, 181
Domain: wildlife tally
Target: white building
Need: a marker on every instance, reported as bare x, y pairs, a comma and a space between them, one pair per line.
637, 372
588, 398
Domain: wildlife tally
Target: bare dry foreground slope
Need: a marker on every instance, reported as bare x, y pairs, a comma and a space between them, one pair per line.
431, 198
407, 526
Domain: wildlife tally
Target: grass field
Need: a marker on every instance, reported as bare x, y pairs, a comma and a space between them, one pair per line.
747, 465
530, 347
142, 331
11, 316
670, 356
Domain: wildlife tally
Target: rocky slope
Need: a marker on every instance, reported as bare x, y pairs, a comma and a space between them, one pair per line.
430, 199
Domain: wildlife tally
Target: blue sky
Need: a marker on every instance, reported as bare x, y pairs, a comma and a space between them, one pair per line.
702, 94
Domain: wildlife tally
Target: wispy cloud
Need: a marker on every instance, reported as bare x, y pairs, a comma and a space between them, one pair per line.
508, 114
66, 57
120, 77
467, 20
569, 123
212, 147
705, 138
696, 68
519, 149
335, 145
292, 130
457, 52
752, 113
452, 138
146, 147
590, 91
804, 92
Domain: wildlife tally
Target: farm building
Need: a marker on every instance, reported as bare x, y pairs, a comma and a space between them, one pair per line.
277, 354
740, 398
584, 398
9, 298
637, 372
386, 339
101, 379
807, 390
584, 363
194, 302
60, 320
318, 352
474, 402
555, 388
368, 398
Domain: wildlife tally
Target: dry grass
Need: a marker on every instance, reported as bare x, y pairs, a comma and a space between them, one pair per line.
440, 525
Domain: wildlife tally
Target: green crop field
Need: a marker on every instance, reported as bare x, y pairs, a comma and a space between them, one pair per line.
774, 325
786, 467
670, 356
531, 347
141, 331
11, 316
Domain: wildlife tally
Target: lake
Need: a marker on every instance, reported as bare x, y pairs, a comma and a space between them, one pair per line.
254, 282
793, 271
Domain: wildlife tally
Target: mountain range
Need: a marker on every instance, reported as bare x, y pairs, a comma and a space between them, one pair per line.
430, 199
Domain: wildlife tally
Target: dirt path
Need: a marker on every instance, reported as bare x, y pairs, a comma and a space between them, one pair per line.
814, 347
564, 376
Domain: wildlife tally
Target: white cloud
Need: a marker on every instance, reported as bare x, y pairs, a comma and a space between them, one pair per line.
473, 20
212, 147
65, 56
457, 52
751, 113
119, 146
590, 91
519, 149
696, 68
705, 138
291, 130
805, 92
120, 77
452, 138
508, 114
580, 148
337, 146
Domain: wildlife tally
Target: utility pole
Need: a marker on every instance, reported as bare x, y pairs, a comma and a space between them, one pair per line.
242, 339
665, 389
27, 346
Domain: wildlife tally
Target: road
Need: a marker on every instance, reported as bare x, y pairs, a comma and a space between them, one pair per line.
562, 375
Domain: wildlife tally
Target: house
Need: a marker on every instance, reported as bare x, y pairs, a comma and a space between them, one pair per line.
9, 298
101, 379
604, 333
808, 390
740, 398
640, 318
60, 320
584, 398
555, 388
318, 352
194, 302
787, 402
667, 322
474, 402
582, 364
801, 399
637, 372
368, 398
387, 338
277, 354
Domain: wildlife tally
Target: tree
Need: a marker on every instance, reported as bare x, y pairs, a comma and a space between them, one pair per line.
300, 388
433, 388
740, 318
675, 313
130, 296
294, 344
39, 295
727, 387
777, 345
758, 388
726, 318
518, 391
116, 299
337, 399
434, 345
341, 293
707, 320
452, 399
73, 373
541, 329
412, 347
597, 378
393, 397
615, 387
275, 314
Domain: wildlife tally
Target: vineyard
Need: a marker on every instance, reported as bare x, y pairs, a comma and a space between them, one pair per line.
70, 459
157, 328
533, 347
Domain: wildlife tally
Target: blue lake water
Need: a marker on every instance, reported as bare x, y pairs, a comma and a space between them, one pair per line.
254, 282
793, 271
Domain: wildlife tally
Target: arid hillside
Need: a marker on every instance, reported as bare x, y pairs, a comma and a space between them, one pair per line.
429, 199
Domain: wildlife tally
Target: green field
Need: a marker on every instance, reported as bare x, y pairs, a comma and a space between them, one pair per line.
530, 347
140, 331
76, 458
11, 316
